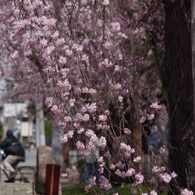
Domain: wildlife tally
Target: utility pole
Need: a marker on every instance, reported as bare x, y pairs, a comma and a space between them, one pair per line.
40, 128
57, 146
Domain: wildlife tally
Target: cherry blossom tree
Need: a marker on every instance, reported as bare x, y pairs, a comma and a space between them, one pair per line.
95, 65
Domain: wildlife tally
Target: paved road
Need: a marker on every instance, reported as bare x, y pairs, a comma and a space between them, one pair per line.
30, 158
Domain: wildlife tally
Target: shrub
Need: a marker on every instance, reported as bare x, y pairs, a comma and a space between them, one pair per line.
79, 189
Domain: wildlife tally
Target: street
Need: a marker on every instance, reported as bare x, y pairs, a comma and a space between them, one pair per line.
30, 158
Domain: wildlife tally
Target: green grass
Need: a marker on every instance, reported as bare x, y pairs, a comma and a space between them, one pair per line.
79, 189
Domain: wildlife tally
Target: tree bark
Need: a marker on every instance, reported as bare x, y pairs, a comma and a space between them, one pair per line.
179, 87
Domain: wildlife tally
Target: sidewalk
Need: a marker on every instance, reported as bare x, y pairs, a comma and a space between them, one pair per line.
16, 188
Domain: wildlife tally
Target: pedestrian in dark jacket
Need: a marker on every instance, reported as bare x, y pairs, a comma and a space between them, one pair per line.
14, 153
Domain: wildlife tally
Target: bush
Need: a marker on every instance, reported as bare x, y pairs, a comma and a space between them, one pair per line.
79, 189
126, 190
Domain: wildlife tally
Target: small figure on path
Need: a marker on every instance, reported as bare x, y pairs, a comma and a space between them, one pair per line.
14, 153
92, 165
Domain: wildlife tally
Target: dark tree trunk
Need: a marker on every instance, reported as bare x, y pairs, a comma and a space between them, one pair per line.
179, 87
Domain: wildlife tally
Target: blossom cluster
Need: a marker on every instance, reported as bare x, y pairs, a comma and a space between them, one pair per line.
163, 174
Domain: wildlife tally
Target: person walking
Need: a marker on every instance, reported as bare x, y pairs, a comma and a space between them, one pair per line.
14, 153
91, 163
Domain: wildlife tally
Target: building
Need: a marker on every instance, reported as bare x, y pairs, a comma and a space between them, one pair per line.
14, 116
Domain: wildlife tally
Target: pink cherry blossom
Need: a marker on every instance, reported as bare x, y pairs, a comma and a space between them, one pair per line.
108, 46
71, 102
120, 173
80, 145
137, 159
70, 134
162, 169
85, 90
112, 166
64, 175
133, 191
86, 117
107, 155
173, 174
155, 169
81, 130
142, 119
62, 60
76, 125
87, 187
162, 150
104, 183
130, 172
139, 178
117, 68
118, 86
64, 72
155, 105
105, 2
116, 26
55, 110
64, 138
100, 159
14, 55
102, 118
93, 138
55, 35
120, 98
92, 91
91, 108
127, 131
78, 117
150, 116
89, 133
39, 98
152, 180
107, 112
102, 142
48, 102
153, 192
101, 170
86, 152
165, 177
120, 165
60, 41
67, 119
186, 192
